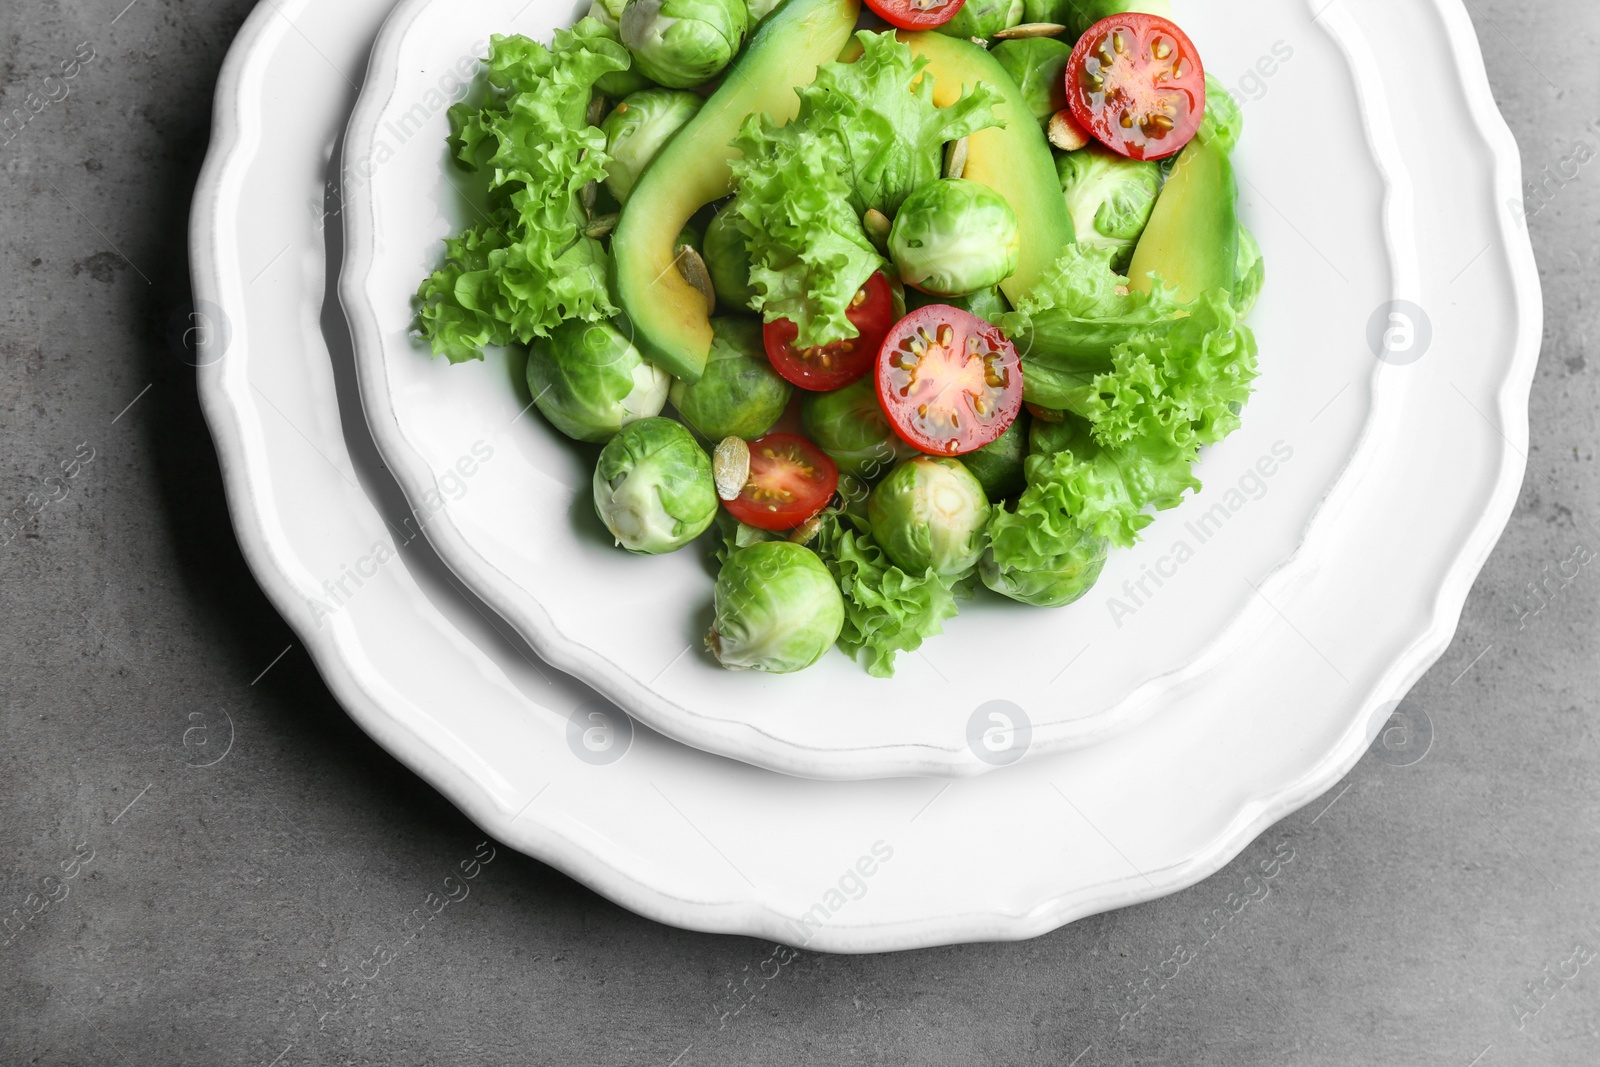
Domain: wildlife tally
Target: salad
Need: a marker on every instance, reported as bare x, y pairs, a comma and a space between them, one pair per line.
899, 305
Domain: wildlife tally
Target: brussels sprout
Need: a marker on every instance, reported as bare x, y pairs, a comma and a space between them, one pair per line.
637, 128
1109, 197
998, 464
1224, 119
760, 9
732, 535
983, 18
1039, 67
778, 609
590, 381
1064, 579
684, 43
1250, 273
953, 236
988, 304
739, 395
850, 426
617, 84
1078, 15
930, 513
653, 487
728, 260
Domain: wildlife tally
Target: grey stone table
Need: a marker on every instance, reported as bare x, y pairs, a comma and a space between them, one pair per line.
1443, 912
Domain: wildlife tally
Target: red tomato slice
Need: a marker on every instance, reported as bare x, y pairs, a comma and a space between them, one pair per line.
1135, 81
949, 381
824, 368
916, 14
790, 480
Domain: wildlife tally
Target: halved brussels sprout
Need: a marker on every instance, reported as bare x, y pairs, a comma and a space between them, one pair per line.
1065, 578
930, 513
684, 43
983, 18
952, 236
1109, 197
778, 609
637, 128
850, 426
1250, 273
998, 465
590, 381
1039, 67
653, 487
739, 395
728, 260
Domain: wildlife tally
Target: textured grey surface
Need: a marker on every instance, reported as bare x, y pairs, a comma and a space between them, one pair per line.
1434, 913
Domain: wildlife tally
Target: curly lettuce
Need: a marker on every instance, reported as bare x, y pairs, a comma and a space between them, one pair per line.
866, 134
1107, 490
1193, 376
886, 610
879, 110
1068, 325
1127, 443
525, 267
808, 251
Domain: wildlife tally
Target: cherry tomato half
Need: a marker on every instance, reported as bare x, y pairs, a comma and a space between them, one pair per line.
916, 14
790, 480
824, 368
949, 381
1135, 81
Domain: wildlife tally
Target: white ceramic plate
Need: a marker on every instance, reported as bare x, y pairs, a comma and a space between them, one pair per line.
712, 844
1170, 621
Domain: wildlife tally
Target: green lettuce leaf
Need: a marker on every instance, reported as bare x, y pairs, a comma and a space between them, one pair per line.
1083, 284
1191, 376
891, 134
808, 252
525, 266
864, 137
1105, 490
886, 610
1068, 325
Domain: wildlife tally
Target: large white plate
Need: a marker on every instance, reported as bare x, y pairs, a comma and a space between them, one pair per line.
713, 844
1171, 621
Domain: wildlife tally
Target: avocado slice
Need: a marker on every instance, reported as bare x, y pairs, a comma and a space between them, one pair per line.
1012, 160
668, 315
1192, 239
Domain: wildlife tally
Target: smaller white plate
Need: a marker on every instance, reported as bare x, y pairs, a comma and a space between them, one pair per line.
1212, 580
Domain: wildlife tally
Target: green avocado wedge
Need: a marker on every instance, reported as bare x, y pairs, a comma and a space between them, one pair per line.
1192, 239
1012, 160
668, 314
